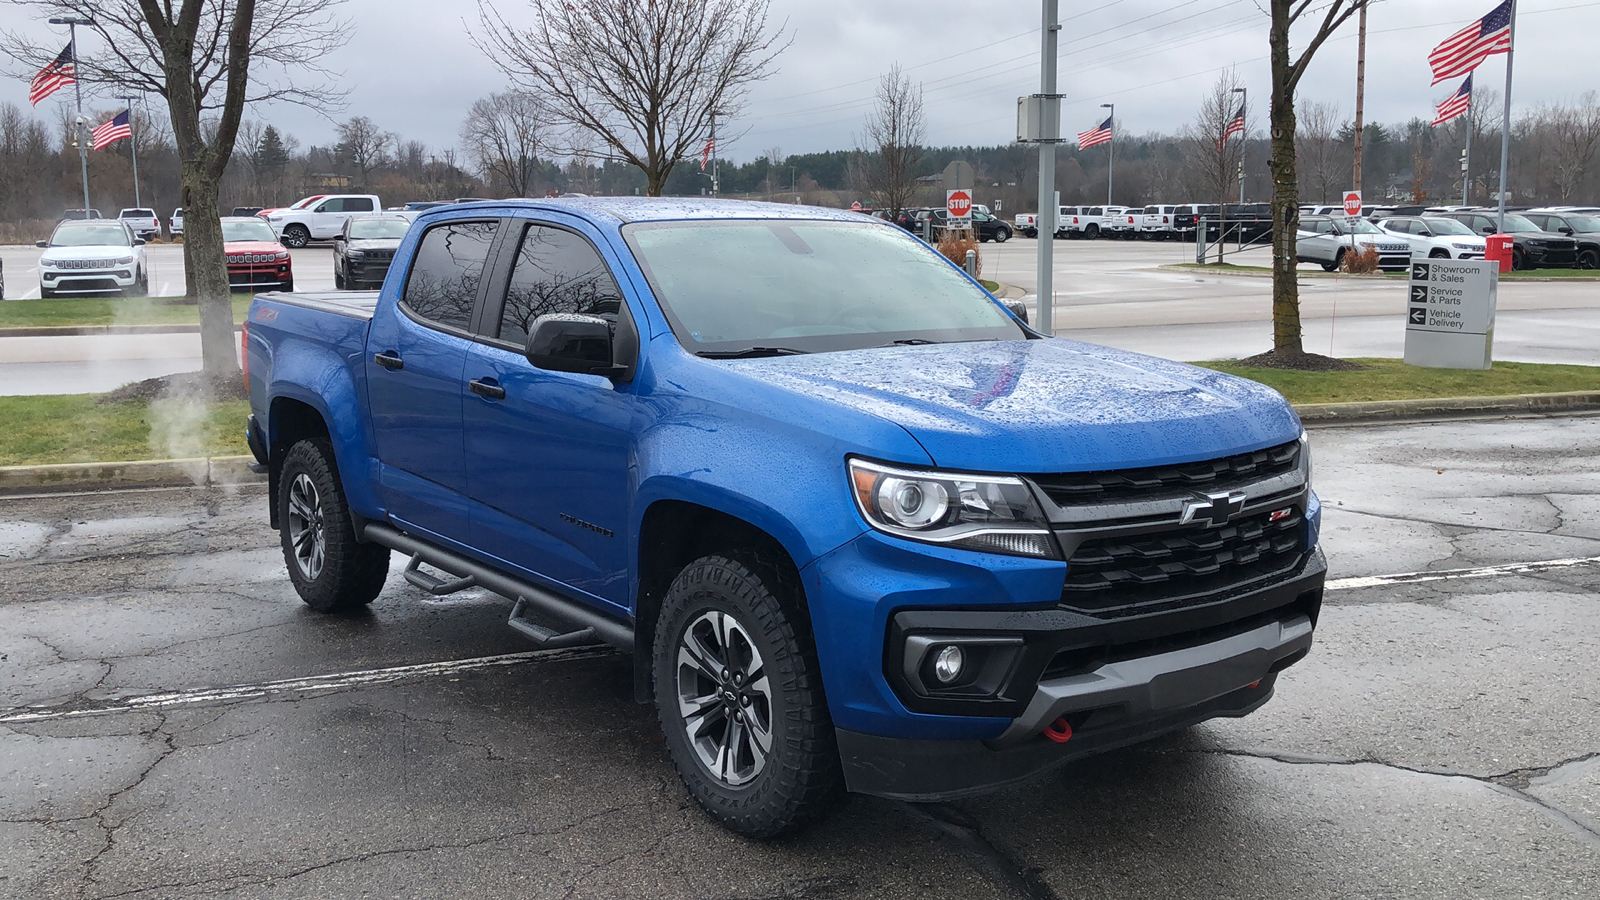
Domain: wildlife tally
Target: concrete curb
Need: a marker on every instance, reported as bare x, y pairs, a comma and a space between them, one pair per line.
82, 330
217, 470
235, 470
1448, 407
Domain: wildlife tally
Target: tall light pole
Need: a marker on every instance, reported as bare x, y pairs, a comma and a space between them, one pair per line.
1244, 135
1048, 210
133, 147
1111, 161
72, 23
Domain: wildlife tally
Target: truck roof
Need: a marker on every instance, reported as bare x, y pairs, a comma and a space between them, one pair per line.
662, 209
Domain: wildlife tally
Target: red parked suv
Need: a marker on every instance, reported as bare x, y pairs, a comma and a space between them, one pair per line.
256, 259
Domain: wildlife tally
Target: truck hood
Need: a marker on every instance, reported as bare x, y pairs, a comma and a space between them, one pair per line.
1042, 405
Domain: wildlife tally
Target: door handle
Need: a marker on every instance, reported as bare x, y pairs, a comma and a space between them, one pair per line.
389, 360
487, 389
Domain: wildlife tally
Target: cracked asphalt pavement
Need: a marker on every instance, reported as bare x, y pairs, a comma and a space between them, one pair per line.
175, 723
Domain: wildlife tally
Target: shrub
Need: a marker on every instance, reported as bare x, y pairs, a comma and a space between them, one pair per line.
954, 245
1361, 262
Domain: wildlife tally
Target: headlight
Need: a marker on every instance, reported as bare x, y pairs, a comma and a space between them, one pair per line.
995, 514
124, 261
1467, 246
1305, 454
281, 256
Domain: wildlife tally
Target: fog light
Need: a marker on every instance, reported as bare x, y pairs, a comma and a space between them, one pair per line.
947, 664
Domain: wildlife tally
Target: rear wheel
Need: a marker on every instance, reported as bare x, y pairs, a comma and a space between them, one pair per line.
739, 694
296, 236
1093, 231
331, 570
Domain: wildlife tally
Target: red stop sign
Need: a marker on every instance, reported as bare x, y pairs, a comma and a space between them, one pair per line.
1352, 203
958, 204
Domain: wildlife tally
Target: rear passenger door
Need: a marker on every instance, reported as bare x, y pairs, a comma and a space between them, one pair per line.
548, 453
417, 352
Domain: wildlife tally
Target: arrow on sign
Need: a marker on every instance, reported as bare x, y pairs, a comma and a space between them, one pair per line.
1419, 293
1419, 315
1419, 271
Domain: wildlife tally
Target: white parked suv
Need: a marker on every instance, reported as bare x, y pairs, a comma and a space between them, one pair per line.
319, 217
1325, 240
1435, 237
93, 257
142, 222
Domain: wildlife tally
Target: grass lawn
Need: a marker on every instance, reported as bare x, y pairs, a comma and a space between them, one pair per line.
1390, 379
106, 311
990, 286
70, 428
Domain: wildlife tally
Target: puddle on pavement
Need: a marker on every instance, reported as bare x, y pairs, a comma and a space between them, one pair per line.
229, 567
20, 540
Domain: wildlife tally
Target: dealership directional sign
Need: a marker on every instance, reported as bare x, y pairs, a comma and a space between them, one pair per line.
1450, 307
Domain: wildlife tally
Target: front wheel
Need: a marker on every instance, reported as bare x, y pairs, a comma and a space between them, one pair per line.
331, 570
296, 236
1439, 253
1519, 259
1003, 235
338, 280
1589, 259
739, 694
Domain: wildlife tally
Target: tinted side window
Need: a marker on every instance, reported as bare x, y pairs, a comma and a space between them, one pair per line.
555, 271
443, 284
357, 204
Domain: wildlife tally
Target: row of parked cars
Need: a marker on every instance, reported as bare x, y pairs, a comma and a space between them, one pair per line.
1163, 221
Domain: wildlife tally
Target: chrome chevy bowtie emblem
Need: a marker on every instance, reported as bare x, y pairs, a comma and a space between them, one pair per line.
1213, 509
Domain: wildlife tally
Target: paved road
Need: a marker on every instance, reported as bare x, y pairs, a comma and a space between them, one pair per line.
1442, 740
1111, 292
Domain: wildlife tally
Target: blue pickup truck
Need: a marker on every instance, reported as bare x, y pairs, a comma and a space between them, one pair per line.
860, 527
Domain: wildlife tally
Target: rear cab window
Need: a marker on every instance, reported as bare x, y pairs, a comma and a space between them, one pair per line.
446, 270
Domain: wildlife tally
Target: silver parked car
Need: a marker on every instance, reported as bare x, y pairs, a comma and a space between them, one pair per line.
1435, 237
1325, 240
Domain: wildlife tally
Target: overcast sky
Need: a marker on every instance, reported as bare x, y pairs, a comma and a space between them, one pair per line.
410, 67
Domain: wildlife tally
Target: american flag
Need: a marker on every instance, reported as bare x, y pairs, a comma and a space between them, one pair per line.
1234, 126
53, 77
116, 129
1456, 105
1095, 136
705, 155
1461, 52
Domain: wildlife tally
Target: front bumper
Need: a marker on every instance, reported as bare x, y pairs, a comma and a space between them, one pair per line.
1146, 689
263, 275
87, 281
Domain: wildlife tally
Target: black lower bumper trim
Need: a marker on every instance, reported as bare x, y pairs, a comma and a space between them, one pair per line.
921, 770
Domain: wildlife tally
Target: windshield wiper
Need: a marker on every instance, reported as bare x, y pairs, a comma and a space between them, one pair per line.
749, 353
910, 342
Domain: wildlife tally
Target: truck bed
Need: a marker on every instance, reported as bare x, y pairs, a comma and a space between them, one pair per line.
355, 304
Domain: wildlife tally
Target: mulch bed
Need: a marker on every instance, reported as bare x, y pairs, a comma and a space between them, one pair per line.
1300, 362
185, 386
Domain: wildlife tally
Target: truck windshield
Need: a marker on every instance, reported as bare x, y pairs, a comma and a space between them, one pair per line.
248, 231
808, 286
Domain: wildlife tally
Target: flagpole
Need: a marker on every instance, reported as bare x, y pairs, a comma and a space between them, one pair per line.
133, 147
1505, 128
1466, 159
1111, 161
77, 88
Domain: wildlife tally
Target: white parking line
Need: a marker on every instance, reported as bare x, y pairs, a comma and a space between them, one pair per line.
1345, 584
368, 677
310, 685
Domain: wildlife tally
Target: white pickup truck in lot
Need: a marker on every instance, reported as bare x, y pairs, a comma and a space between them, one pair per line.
318, 217
1027, 224
142, 222
1158, 224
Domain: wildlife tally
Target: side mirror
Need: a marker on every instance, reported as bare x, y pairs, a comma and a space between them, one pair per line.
338, 237
1566, 231
41, 243
138, 242
567, 342
1019, 309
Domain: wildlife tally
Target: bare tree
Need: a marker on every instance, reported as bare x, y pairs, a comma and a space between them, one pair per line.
502, 134
208, 59
1210, 154
1321, 152
1575, 131
1286, 74
644, 79
893, 142
364, 146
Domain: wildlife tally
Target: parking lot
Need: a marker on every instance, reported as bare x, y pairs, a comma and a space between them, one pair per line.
313, 269
175, 723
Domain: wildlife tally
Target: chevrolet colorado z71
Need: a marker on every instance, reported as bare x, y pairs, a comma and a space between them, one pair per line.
860, 527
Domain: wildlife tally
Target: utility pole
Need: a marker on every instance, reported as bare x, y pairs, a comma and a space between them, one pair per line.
1111, 161
72, 24
133, 147
1051, 109
1361, 90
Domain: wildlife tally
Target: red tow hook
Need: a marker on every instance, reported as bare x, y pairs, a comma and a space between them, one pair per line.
1059, 731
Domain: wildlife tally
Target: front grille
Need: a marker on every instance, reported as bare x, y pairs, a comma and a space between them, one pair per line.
377, 254
239, 259
1183, 478
86, 264
1116, 576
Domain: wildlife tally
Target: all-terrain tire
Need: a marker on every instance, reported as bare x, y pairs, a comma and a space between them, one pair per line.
331, 570
799, 780
296, 236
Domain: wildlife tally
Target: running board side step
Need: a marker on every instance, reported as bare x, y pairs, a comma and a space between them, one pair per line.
587, 624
